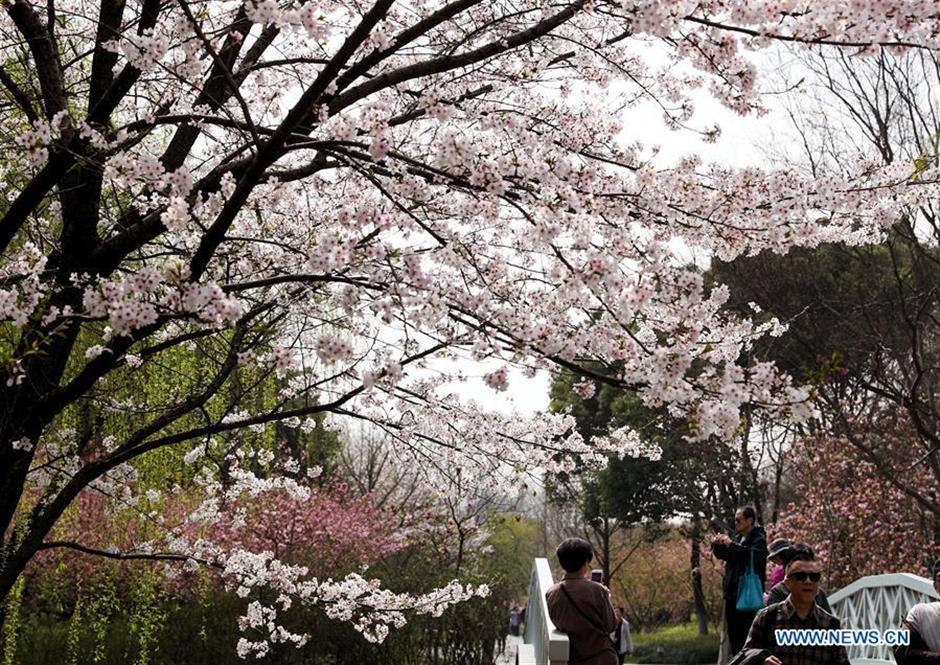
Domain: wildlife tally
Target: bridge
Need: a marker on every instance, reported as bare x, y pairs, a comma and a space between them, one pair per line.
879, 601
543, 644
876, 601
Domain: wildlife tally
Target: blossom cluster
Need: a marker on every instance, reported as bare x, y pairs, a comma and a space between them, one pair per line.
135, 302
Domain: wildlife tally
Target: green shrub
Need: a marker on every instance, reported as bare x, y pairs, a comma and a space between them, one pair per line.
678, 645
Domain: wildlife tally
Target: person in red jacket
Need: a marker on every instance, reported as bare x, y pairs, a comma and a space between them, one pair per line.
776, 554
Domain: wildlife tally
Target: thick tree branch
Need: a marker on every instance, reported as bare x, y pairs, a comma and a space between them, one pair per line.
21, 98
449, 62
271, 148
45, 56
127, 556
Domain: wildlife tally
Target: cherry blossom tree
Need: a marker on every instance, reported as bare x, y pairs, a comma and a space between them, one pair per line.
213, 196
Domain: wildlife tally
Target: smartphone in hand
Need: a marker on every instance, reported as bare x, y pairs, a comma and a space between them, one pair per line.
717, 526
597, 576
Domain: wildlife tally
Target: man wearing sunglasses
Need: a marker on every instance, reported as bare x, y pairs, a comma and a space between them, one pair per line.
798, 611
923, 622
779, 591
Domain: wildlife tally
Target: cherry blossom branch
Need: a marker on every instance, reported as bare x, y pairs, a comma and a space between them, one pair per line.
308, 279
223, 68
360, 68
127, 556
268, 153
820, 41
449, 62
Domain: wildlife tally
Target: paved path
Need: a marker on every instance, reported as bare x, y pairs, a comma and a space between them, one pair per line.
508, 657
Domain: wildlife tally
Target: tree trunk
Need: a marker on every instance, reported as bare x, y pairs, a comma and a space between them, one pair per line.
778, 476
603, 532
695, 560
607, 534
750, 490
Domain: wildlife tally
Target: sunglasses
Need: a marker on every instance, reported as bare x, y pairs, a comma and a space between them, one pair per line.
804, 577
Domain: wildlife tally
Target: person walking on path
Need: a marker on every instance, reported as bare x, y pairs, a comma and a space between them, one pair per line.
621, 635
746, 551
514, 620
581, 607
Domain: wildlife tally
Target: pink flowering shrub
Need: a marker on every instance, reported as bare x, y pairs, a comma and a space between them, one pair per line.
90, 524
333, 528
856, 521
655, 585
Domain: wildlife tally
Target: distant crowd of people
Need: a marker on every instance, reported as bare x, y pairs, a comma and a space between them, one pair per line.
754, 607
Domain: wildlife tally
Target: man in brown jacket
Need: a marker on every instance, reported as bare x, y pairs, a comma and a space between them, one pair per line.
581, 608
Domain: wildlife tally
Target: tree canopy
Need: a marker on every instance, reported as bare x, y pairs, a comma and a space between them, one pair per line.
223, 218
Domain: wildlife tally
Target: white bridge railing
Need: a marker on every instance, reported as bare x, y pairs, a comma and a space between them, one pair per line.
543, 643
881, 602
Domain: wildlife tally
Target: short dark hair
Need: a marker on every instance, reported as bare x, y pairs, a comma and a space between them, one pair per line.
573, 553
935, 569
799, 552
748, 512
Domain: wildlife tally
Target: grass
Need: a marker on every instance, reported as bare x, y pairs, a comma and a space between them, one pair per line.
678, 645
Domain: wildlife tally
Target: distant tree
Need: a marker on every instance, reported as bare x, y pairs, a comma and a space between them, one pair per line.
864, 333
864, 321
632, 491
